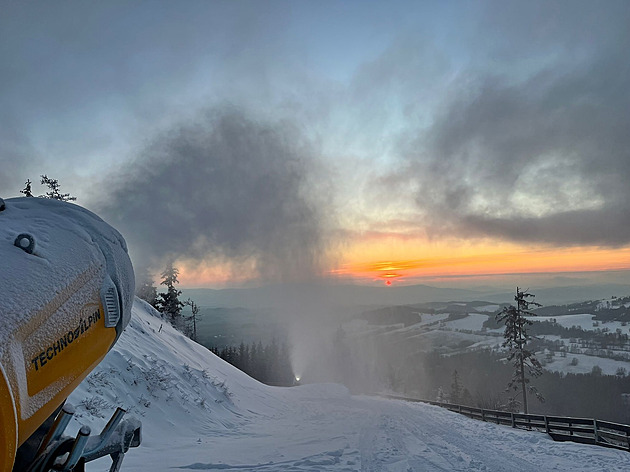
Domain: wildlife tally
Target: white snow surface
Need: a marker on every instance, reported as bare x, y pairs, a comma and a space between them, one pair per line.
488, 308
586, 321
473, 322
200, 413
585, 364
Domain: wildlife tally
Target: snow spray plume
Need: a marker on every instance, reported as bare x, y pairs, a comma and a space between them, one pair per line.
221, 187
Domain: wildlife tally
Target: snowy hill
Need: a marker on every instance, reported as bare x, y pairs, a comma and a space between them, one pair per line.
200, 413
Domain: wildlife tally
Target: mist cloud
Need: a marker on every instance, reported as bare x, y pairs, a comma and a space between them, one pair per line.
222, 186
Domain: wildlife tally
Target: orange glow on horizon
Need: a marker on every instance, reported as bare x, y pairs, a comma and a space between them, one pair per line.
409, 261
465, 265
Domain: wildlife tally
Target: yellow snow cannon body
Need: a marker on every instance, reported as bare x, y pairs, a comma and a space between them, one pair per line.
66, 291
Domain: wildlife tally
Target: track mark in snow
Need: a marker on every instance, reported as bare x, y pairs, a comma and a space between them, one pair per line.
312, 463
396, 441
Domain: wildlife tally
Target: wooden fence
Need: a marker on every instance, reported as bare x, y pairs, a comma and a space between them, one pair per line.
560, 428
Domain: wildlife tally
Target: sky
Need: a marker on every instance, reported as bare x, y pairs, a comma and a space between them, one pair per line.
367, 142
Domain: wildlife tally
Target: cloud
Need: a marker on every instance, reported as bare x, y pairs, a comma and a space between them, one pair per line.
18, 159
82, 83
542, 155
222, 186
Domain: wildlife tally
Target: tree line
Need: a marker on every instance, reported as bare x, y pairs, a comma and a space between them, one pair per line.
53, 193
479, 378
168, 303
269, 363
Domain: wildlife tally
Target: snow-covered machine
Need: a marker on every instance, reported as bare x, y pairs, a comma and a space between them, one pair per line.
66, 290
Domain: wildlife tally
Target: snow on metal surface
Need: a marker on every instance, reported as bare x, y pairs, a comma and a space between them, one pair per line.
60, 230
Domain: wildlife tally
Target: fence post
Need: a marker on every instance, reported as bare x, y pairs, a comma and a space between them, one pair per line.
546, 424
483, 415
513, 422
595, 431
460, 409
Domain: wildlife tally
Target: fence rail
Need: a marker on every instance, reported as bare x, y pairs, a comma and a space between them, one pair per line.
560, 428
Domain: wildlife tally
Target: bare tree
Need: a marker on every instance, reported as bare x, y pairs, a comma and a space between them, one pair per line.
194, 308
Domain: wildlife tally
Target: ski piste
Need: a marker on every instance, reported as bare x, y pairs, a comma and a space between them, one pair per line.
66, 290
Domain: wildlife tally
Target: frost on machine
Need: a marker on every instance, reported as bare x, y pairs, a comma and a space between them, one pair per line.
66, 290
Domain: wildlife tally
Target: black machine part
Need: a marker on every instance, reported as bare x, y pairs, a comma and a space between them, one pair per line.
60, 453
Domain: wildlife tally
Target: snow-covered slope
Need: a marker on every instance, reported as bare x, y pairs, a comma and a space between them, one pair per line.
200, 413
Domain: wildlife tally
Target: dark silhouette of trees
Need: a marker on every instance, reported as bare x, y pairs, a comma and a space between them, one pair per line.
54, 192
192, 319
524, 362
27, 188
270, 364
168, 303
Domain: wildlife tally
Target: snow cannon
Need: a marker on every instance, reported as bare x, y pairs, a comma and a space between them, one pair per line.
66, 291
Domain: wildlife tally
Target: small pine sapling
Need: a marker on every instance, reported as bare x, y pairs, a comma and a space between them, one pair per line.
27, 189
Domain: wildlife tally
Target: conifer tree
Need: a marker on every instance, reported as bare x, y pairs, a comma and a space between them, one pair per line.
27, 188
243, 357
55, 193
524, 361
259, 362
254, 363
270, 364
271, 361
169, 303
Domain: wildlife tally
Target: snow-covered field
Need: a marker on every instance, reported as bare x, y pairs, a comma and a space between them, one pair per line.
584, 364
473, 322
434, 332
200, 413
585, 321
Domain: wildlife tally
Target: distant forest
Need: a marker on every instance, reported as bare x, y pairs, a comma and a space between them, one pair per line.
471, 378
484, 374
269, 364
480, 378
